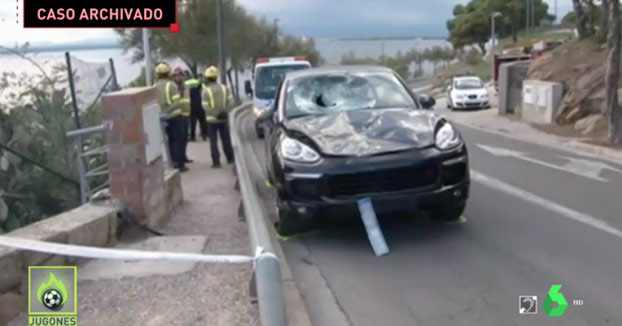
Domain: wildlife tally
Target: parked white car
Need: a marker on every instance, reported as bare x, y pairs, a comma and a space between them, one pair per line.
468, 92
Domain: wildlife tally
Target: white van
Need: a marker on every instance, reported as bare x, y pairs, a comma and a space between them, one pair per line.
267, 74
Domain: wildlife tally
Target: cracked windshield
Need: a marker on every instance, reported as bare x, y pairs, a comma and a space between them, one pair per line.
329, 163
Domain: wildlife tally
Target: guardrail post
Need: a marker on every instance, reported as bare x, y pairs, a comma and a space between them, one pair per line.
236, 185
270, 290
241, 213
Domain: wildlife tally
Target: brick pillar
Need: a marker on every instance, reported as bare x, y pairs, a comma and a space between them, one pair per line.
136, 170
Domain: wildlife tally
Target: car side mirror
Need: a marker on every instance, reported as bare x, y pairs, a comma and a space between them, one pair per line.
248, 88
427, 101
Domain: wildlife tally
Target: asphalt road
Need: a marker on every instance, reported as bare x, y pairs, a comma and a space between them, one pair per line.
536, 218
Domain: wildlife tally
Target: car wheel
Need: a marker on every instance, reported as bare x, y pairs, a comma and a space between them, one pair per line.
448, 214
260, 133
288, 223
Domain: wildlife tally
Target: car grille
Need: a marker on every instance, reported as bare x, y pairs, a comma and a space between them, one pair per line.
454, 174
472, 97
390, 180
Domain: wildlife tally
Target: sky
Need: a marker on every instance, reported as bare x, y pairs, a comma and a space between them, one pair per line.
315, 18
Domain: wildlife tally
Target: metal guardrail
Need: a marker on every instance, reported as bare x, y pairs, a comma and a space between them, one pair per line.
267, 270
85, 172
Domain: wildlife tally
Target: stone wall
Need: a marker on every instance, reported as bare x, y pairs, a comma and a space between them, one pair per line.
511, 76
87, 225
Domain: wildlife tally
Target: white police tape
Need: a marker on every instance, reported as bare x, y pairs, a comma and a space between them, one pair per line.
121, 254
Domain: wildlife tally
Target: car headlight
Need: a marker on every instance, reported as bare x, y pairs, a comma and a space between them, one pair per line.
296, 151
484, 96
257, 111
460, 97
447, 137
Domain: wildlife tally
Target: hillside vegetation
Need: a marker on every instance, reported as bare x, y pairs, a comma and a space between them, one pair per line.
582, 73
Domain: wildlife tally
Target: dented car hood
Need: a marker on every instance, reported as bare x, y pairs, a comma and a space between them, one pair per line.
368, 132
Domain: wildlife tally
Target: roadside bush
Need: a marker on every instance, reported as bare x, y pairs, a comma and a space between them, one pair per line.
472, 57
35, 114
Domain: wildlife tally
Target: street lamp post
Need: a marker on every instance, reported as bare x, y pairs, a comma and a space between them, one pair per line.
493, 34
382, 52
147, 54
276, 28
221, 46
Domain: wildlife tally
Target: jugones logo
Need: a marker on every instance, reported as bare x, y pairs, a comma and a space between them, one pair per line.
554, 296
52, 294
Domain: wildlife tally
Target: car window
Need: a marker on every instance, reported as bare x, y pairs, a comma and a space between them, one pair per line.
268, 78
330, 93
471, 83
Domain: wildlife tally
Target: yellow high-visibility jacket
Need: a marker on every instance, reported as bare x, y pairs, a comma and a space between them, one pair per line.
185, 100
168, 97
217, 99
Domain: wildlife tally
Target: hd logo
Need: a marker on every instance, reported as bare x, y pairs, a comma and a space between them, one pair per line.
52, 295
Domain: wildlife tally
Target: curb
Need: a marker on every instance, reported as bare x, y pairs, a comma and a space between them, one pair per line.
550, 140
295, 308
564, 144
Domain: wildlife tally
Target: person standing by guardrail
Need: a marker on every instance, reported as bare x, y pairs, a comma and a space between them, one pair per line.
218, 100
170, 109
178, 77
197, 113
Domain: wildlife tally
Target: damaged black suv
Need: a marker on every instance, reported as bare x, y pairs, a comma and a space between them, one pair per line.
336, 135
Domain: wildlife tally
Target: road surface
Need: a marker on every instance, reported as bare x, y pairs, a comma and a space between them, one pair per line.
537, 216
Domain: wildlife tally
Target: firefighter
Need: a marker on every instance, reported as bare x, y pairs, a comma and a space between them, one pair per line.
170, 108
217, 100
178, 77
197, 113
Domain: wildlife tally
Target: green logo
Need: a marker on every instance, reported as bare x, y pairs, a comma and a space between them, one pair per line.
554, 296
52, 291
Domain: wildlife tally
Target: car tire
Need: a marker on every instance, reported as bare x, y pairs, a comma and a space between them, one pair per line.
448, 214
260, 133
288, 222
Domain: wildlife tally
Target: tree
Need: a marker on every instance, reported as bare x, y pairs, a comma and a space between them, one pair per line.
472, 23
470, 27
613, 74
34, 119
581, 18
604, 21
246, 37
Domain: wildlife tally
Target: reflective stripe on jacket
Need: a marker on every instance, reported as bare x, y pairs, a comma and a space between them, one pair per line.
217, 100
184, 100
193, 86
192, 82
168, 97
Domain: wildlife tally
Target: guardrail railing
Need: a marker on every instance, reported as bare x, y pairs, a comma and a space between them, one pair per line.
266, 270
91, 160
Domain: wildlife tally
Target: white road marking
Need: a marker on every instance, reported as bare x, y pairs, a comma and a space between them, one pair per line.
544, 203
421, 89
581, 167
